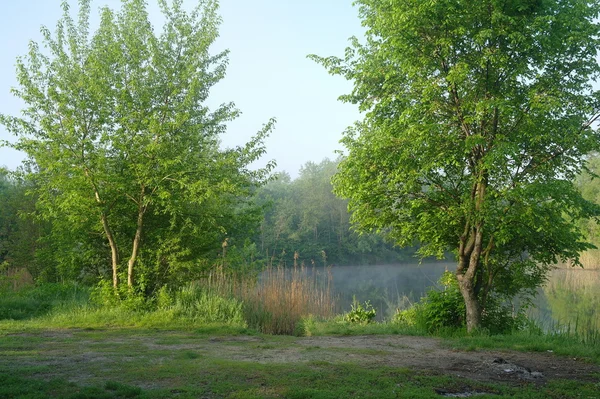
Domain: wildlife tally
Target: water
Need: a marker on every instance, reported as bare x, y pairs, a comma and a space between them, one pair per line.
387, 287
570, 300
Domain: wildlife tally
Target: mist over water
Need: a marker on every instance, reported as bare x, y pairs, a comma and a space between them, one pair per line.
387, 287
570, 299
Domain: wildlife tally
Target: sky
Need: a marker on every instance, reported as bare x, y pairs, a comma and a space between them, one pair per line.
268, 74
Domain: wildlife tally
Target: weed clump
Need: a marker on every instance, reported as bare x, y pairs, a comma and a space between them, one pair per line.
359, 313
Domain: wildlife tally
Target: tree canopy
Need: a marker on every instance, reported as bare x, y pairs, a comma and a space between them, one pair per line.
304, 220
125, 151
478, 117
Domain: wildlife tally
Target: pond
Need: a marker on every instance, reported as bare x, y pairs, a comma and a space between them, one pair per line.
569, 301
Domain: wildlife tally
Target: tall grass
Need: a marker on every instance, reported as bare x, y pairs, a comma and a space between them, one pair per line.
283, 297
574, 299
276, 300
590, 259
31, 301
273, 302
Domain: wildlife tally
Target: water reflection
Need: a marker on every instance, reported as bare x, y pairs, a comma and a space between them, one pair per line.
570, 299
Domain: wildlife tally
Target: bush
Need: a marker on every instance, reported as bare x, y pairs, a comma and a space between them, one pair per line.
445, 309
104, 295
437, 310
500, 318
359, 313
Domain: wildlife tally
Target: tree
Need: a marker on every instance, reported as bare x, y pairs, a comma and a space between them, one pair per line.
478, 116
123, 144
304, 217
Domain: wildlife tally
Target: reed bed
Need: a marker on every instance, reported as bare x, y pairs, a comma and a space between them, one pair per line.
574, 298
276, 300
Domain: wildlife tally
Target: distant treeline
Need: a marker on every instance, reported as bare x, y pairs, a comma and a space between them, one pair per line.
294, 221
304, 218
298, 220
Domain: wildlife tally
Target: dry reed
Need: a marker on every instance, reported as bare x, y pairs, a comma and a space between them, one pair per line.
276, 300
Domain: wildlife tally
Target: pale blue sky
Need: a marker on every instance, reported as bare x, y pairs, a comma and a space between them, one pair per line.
268, 75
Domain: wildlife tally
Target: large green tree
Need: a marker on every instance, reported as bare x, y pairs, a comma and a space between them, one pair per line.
478, 116
123, 144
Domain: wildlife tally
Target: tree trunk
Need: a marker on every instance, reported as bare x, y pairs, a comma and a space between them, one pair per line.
472, 304
114, 251
136, 244
470, 250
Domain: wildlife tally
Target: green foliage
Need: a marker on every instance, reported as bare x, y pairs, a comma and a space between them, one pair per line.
204, 306
443, 310
104, 295
359, 313
124, 152
478, 118
36, 301
438, 310
305, 222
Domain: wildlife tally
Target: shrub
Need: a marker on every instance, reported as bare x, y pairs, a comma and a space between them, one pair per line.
445, 309
438, 309
359, 313
104, 295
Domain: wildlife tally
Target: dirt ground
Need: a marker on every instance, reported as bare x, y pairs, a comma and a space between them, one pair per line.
423, 353
415, 353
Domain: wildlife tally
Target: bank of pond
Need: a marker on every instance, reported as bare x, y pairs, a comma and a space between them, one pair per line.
278, 300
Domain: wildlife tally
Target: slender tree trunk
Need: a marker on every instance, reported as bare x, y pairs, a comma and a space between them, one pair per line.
469, 263
136, 244
466, 272
114, 251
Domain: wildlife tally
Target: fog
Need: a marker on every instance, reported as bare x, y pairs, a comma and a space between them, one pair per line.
569, 300
387, 287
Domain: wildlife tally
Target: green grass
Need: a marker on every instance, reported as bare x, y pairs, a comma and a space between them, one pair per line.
311, 326
142, 363
526, 341
12, 386
55, 343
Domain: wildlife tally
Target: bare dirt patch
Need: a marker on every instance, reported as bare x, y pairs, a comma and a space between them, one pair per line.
417, 353
424, 353
74, 350
420, 353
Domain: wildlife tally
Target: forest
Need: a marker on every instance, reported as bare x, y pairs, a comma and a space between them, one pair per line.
142, 258
480, 149
300, 216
